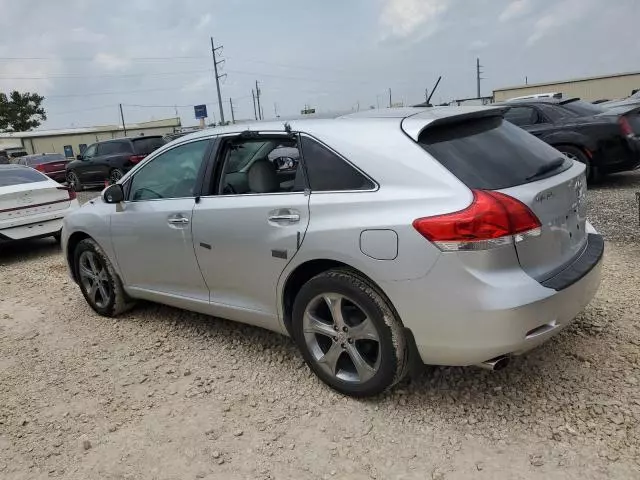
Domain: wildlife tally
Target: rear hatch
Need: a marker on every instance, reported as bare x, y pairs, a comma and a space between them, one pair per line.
25, 192
487, 153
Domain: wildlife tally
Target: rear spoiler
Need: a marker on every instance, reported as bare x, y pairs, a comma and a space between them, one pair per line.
414, 125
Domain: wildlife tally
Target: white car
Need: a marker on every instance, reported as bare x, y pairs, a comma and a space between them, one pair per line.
31, 204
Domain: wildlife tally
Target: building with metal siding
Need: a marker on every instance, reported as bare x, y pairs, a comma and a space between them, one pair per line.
607, 87
54, 141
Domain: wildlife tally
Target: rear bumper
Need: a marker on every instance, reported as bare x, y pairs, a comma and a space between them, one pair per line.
33, 226
460, 316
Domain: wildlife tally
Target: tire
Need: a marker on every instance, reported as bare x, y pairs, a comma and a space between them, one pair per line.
108, 298
366, 328
575, 153
115, 175
73, 181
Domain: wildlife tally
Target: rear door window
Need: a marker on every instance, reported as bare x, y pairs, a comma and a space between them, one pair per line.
17, 176
146, 145
491, 154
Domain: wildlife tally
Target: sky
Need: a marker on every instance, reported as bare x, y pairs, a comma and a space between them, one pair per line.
154, 56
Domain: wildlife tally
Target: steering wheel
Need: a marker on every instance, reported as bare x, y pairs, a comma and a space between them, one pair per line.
138, 193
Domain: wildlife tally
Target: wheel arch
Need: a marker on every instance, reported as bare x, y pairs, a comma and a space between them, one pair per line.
305, 272
73, 241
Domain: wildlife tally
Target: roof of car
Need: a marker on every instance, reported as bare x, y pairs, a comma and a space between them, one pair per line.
12, 166
423, 115
129, 138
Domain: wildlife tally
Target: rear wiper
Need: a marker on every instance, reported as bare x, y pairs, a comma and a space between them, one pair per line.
549, 167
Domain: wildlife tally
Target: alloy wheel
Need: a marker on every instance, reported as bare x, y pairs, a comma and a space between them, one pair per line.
115, 176
72, 180
342, 339
94, 279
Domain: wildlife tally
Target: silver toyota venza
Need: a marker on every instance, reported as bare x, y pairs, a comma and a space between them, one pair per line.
446, 235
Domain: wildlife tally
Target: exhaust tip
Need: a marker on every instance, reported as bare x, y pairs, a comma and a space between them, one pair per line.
495, 364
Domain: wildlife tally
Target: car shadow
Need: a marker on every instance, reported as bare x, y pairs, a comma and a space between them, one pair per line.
22, 250
618, 180
432, 387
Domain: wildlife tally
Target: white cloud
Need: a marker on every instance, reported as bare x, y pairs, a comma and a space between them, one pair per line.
82, 35
515, 9
111, 62
198, 84
403, 18
561, 15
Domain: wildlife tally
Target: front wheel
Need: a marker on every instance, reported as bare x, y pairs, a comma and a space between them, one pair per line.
348, 334
99, 283
115, 175
74, 182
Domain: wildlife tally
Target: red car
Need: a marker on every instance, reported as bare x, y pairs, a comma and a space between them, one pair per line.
51, 164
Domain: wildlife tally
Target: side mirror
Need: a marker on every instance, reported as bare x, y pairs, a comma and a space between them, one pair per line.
79, 157
113, 194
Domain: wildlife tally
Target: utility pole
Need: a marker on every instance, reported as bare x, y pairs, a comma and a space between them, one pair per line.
255, 112
526, 80
426, 95
258, 100
390, 98
478, 72
233, 117
275, 110
124, 127
218, 77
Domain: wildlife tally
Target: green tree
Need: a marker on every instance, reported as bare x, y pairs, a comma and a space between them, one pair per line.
21, 112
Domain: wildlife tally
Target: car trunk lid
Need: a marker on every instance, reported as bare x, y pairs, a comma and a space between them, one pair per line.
40, 197
559, 202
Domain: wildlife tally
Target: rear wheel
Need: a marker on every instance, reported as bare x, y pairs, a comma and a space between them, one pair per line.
348, 334
115, 175
74, 182
576, 154
99, 283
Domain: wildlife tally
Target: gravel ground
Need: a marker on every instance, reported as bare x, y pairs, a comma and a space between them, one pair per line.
166, 394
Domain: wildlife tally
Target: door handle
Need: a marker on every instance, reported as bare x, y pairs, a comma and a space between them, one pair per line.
178, 220
284, 216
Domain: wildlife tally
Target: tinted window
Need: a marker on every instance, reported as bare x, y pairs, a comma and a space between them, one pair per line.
112, 148
91, 151
521, 116
583, 109
328, 172
146, 145
554, 112
489, 153
172, 174
16, 176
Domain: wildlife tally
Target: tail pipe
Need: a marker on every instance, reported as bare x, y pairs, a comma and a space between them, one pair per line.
495, 364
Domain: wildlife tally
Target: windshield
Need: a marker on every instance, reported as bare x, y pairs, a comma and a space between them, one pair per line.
583, 109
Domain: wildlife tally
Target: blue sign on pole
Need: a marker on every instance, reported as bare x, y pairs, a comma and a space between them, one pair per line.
200, 111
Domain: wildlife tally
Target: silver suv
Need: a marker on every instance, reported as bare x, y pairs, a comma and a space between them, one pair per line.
446, 235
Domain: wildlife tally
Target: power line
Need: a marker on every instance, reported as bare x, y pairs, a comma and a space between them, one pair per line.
106, 75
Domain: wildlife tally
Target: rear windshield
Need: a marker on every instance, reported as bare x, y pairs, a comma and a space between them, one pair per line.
583, 109
146, 145
492, 154
16, 176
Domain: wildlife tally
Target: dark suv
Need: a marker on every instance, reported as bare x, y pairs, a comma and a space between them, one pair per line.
109, 160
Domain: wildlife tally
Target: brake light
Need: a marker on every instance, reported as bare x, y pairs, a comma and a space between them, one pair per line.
70, 191
136, 158
492, 220
625, 127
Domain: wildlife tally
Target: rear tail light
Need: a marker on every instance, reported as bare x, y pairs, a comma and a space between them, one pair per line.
492, 220
70, 191
39, 167
625, 127
136, 158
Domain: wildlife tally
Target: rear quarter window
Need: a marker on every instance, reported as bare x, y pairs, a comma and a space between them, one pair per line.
490, 153
18, 176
